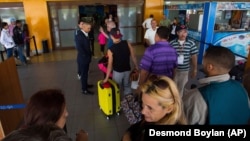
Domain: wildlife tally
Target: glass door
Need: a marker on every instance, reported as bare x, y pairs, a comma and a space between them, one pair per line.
63, 20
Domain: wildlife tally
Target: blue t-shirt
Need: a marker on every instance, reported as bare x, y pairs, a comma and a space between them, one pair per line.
110, 42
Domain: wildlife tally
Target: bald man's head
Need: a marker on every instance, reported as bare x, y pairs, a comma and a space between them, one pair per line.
110, 25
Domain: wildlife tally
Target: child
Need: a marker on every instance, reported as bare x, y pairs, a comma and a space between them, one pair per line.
102, 41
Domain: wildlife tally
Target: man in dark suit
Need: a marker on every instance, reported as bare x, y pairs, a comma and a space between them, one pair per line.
84, 54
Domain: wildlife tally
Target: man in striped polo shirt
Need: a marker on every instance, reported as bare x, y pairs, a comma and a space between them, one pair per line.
186, 50
160, 58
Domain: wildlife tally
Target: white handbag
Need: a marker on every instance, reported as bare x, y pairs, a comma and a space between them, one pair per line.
134, 84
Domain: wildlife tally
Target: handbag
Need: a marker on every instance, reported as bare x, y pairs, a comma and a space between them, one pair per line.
103, 64
131, 107
134, 75
135, 83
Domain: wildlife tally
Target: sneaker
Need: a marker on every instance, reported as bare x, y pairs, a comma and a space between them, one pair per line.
24, 64
78, 76
27, 58
87, 92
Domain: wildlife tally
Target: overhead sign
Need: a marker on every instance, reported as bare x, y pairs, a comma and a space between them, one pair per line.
185, 6
233, 5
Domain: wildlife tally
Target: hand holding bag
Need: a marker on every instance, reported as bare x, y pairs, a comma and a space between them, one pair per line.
134, 78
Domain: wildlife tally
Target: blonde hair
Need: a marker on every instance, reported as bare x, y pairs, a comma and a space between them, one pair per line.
165, 91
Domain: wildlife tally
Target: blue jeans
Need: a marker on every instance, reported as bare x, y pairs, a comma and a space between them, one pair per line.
21, 54
122, 78
9, 52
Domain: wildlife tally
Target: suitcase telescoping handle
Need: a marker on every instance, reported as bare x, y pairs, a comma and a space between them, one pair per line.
104, 85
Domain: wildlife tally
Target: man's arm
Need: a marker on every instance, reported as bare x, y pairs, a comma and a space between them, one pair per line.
174, 72
133, 56
195, 107
102, 31
110, 63
194, 65
143, 76
144, 24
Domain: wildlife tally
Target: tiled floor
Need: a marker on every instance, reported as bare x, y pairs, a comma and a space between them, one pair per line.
58, 70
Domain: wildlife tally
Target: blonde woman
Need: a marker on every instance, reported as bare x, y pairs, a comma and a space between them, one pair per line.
161, 105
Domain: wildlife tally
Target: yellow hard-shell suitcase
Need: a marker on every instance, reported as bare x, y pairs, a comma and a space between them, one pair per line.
109, 97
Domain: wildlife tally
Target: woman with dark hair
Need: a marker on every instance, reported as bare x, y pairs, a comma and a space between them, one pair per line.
48, 107
47, 132
26, 40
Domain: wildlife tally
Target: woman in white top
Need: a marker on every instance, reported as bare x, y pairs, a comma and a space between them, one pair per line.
7, 40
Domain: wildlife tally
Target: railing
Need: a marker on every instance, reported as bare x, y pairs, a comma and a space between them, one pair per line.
31, 38
34, 41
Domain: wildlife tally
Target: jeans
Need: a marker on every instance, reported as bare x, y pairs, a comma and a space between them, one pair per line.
122, 79
20, 53
9, 52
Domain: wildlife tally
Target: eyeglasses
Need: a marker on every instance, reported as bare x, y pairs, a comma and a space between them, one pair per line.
160, 83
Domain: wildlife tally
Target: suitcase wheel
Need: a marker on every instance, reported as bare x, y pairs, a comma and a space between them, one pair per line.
107, 117
118, 114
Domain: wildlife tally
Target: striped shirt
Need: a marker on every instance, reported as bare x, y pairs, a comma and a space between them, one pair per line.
159, 59
187, 50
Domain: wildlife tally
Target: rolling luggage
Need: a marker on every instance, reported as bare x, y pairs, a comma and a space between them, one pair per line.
109, 97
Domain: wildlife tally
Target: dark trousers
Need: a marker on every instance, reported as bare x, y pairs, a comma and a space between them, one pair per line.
1, 52
172, 37
92, 46
84, 67
9, 52
15, 51
102, 47
84, 71
78, 66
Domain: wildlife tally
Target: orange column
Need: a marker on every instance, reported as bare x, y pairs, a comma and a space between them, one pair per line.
154, 7
36, 14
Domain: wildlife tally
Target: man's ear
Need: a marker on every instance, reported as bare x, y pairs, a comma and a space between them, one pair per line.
209, 67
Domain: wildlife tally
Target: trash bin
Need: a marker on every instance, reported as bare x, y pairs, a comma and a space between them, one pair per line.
45, 46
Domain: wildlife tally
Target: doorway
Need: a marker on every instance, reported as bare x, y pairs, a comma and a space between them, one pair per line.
64, 17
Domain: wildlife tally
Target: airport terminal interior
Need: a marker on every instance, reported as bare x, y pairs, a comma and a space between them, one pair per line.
57, 67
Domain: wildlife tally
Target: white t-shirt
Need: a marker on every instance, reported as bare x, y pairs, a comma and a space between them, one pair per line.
150, 35
173, 30
147, 23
